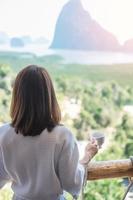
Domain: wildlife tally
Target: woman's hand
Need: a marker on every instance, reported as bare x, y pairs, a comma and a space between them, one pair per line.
91, 150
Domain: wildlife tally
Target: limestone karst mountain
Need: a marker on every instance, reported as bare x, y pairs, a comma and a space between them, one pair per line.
128, 45
16, 42
75, 29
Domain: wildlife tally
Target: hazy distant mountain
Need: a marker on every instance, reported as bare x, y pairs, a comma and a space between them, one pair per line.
26, 40
128, 45
41, 40
3, 38
16, 42
75, 29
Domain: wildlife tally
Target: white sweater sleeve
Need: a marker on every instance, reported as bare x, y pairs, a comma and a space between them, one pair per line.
71, 173
4, 178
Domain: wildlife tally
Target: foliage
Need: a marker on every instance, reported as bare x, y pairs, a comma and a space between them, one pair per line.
5, 92
6, 193
100, 97
104, 190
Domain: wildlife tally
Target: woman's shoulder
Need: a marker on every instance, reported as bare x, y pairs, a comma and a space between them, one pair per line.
63, 133
5, 129
63, 130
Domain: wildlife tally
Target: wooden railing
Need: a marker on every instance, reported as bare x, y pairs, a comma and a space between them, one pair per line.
110, 169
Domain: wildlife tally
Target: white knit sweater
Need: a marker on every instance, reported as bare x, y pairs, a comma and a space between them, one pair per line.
40, 167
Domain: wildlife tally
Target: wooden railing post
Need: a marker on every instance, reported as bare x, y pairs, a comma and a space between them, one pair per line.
110, 169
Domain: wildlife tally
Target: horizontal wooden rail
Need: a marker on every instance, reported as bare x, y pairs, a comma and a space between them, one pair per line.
110, 169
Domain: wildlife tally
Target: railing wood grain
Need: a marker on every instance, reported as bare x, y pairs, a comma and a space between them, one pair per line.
110, 169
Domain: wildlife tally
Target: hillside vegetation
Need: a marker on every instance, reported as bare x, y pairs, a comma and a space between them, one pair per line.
99, 95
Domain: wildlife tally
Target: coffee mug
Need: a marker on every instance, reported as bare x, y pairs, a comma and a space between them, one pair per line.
99, 137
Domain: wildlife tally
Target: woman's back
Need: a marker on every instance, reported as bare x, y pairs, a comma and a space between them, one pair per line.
38, 155
38, 166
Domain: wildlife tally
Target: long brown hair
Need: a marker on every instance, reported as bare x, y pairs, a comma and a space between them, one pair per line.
34, 106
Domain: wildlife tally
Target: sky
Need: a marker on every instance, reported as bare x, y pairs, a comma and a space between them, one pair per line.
38, 17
